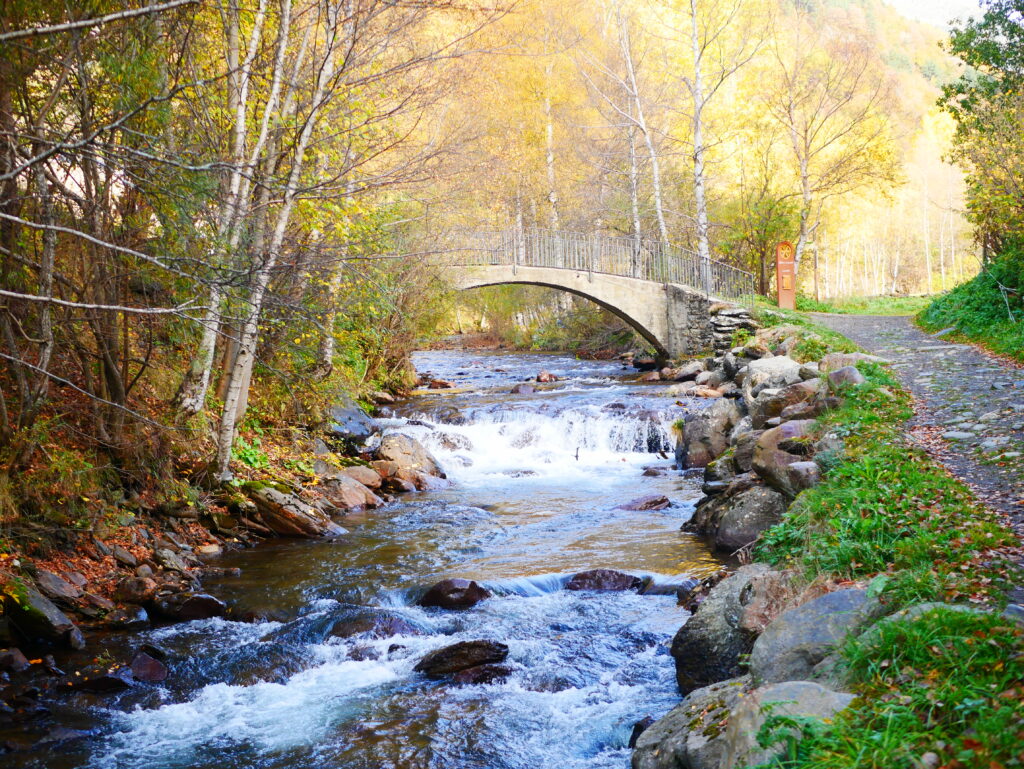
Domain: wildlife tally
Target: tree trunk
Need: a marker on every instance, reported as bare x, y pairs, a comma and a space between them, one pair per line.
699, 191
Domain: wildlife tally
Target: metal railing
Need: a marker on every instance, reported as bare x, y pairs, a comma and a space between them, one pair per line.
627, 257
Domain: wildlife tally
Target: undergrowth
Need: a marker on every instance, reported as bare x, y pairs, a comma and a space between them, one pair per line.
979, 311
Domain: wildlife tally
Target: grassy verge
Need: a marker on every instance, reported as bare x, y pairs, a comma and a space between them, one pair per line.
941, 690
865, 305
978, 311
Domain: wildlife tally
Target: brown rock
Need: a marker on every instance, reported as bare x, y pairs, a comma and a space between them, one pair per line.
135, 590
376, 625
847, 376
461, 656
101, 680
56, 588
650, 376
546, 376
184, 607
523, 389
604, 580
284, 513
367, 476
35, 616
148, 669
124, 557
771, 457
13, 661
482, 674
649, 502
455, 594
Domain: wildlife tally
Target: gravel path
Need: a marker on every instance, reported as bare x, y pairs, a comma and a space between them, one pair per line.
970, 405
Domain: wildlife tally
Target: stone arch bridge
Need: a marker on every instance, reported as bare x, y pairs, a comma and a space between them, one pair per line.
678, 302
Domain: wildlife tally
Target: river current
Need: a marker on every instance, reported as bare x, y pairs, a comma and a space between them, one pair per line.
537, 484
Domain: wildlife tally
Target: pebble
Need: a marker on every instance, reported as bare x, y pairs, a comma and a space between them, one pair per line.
957, 435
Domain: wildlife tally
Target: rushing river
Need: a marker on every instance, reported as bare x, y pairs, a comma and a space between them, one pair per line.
538, 480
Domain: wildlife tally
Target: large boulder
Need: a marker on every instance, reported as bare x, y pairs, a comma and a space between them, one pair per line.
408, 453
791, 698
706, 434
372, 623
800, 638
780, 447
188, 606
711, 645
350, 424
285, 513
689, 371
747, 515
847, 376
367, 476
454, 594
461, 656
691, 735
36, 618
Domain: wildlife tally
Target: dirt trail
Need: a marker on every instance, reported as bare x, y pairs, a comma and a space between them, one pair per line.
970, 405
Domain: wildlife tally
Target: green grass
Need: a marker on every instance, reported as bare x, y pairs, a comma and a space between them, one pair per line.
865, 305
979, 312
945, 682
950, 683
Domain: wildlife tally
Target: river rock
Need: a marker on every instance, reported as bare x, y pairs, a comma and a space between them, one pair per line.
775, 451
13, 661
408, 453
101, 680
184, 607
546, 376
800, 638
847, 376
124, 557
461, 656
148, 669
482, 674
691, 735
454, 594
285, 513
773, 372
523, 389
35, 616
803, 475
793, 698
170, 560
771, 403
57, 588
137, 590
748, 515
367, 476
604, 580
350, 423
128, 619
373, 623
709, 647
689, 371
346, 493
743, 453
649, 376
710, 378
649, 502
706, 433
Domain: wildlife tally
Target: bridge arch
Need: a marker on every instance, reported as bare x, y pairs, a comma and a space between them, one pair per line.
674, 319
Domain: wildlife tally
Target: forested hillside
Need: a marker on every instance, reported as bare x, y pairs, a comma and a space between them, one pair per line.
218, 218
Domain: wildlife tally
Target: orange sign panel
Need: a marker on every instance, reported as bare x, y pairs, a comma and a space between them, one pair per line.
785, 275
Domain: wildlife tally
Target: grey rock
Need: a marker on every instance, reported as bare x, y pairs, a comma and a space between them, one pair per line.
790, 698
847, 376
706, 434
837, 360
35, 616
350, 423
56, 587
803, 475
709, 647
170, 560
958, 435
748, 515
690, 736
773, 372
800, 638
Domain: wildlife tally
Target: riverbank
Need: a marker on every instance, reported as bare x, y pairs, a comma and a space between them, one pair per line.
873, 608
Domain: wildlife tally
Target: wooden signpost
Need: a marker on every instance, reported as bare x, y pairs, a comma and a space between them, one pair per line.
785, 275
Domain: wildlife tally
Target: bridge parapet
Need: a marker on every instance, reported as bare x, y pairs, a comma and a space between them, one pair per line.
628, 257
